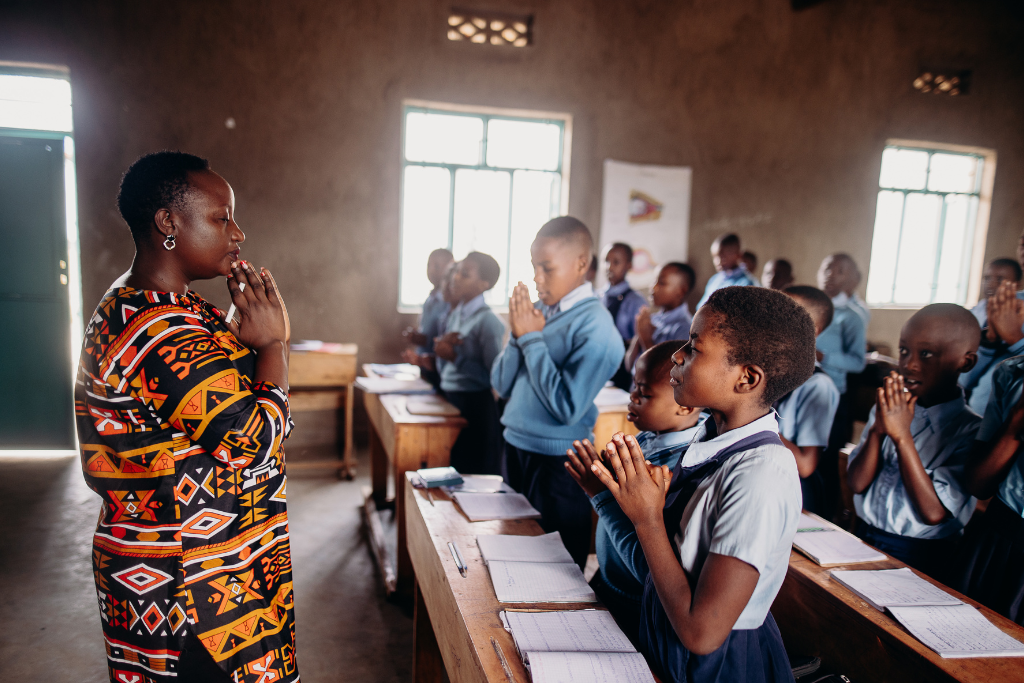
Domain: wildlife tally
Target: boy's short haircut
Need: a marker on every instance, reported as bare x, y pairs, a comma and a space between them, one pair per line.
659, 358
1009, 263
960, 324
729, 239
686, 271
486, 267
817, 300
570, 230
766, 328
441, 253
624, 247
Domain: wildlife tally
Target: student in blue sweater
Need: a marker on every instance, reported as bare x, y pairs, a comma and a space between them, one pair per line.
666, 430
561, 352
435, 308
472, 340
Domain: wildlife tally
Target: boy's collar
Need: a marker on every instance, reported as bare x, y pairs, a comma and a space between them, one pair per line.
682, 437
470, 307
940, 412
841, 299
620, 288
584, 291
707, 444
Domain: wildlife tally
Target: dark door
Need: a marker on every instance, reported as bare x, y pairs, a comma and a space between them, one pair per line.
36, 403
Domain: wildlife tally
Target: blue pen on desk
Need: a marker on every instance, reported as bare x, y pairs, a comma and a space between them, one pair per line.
458, 559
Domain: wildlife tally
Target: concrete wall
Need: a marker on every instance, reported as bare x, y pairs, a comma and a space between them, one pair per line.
781, 114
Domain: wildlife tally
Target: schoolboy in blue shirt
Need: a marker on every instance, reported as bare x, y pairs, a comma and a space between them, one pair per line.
991, 562
435, 308
666, 430
726, 254
806, 413
996, 273
621, 301
430, 365
907, 472
472, 340
672, 322
561, 352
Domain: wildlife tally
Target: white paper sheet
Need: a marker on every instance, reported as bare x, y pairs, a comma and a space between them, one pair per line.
814, 523
396, 370
386, 385
832, 548
611, 397
539, 582
588, 667
480, 483
893, 588
429, 404
480, 507
960, 631
509, 548
566, 631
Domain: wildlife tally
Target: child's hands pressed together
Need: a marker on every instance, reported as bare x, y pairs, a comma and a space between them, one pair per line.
644, 327
580, 467
444, 347
1005, 315
638, 488
523, 318
414, 336
894, 410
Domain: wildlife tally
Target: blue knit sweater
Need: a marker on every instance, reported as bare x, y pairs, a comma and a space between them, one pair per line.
551, 378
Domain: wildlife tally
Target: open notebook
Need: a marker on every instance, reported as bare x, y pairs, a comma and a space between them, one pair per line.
830, 546
575, 646
883, 588
957, 631
533, 569
480, 507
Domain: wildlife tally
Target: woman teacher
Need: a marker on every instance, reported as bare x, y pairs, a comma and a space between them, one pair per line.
181, 416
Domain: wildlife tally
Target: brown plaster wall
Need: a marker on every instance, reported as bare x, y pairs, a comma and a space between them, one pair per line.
781, 114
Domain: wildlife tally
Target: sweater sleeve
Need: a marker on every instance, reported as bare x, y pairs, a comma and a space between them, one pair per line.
506, 367
622, 534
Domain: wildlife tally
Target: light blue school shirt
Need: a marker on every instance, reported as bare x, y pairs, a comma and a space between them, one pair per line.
1007, 381
632, 302
978, 382
432, 319
943, 435
672, 324
482, 334
843, 343
737, 277
861, 307
806, 413
619, 555
980, 312
551, 378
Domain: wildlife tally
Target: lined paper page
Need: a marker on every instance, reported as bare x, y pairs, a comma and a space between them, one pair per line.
539, 582
893, 588
814, 523
960, 631
508, 548
588, 667
483, 506
566, 631
830, 548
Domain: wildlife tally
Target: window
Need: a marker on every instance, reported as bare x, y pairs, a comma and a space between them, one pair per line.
478, 180
931, 221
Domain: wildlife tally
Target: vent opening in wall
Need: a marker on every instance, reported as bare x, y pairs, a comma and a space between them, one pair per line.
490, 28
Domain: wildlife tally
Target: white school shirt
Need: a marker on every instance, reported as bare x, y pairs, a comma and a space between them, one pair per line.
748, 509
584, 291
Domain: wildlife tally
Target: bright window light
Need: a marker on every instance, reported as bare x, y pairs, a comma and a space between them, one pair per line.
925, 223
476, 182
35, 103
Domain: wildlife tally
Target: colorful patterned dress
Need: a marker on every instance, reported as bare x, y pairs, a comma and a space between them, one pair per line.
185, 451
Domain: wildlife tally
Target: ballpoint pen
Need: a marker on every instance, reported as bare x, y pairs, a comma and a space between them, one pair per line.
458, 559
504, 662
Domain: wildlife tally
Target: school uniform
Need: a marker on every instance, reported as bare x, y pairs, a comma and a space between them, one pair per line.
980, 312
735, 494
466, 383
978, 382
624, 304
550, 380
805, 418
672, 324
737, 277
861, 308
887, 519
619, 582
991, 566
432, 319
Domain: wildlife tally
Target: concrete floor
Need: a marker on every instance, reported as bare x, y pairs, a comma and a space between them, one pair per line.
49, 619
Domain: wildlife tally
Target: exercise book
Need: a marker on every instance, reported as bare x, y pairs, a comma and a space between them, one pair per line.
510, 548
883, 588
957, 631
480, 507
387, 385
830, 546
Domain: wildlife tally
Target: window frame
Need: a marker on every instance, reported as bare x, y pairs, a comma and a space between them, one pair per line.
983, 193
561, 119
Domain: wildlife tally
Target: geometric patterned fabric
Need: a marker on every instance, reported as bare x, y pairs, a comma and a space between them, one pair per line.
186, 453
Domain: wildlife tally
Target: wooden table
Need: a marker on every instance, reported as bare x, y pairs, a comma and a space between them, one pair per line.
455, 616
611, 419
325, 381
818, 616
407, 442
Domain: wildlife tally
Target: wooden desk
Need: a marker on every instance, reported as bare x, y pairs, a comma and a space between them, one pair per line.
819, 617
407, 442
324, 381
611, 419
456, 616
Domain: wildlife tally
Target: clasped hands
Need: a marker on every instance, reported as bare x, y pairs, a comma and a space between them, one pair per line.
262, 316
894, 409
523, 318
1005, 314
444, 347
638, 486
644, 327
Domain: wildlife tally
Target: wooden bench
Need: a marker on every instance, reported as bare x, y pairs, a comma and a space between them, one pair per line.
819, 617
324, 380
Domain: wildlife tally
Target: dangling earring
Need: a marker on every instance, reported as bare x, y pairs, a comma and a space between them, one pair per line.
169, 243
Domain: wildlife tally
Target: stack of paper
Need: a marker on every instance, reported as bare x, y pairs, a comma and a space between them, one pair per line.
893, 588
481, 483
569, 647
610, 397
830, 546
387, 385
430, 404
957, 631
533, 569
480, 507
395, 371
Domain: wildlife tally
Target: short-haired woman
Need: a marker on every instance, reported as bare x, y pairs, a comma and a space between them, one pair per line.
181, 415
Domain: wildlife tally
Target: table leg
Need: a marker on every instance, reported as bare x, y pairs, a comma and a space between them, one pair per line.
348, 460
427, 663
378, 469
404, 573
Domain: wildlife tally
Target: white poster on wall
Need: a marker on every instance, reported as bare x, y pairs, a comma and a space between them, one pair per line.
648, 208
